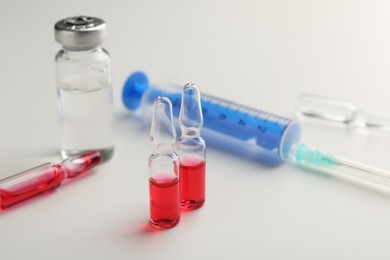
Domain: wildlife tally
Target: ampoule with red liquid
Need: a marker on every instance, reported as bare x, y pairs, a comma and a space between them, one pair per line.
43, 178
191, 150
163, 168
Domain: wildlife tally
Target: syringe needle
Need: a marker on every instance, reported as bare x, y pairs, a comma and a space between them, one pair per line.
362, 171
308, 157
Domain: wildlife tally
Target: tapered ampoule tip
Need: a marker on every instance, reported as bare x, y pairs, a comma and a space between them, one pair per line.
162, 132
192, 86
191, 91
82, 163
191, 117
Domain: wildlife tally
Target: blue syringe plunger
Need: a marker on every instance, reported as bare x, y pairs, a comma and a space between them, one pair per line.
137, 83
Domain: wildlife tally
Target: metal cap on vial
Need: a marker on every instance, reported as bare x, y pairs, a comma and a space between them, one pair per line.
80, 33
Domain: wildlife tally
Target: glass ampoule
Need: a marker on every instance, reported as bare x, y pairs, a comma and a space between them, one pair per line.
44, 178
335, 110
191, 150
163, 168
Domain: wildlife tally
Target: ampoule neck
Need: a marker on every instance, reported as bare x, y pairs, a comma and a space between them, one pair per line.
163, 149
74, 166
189, 132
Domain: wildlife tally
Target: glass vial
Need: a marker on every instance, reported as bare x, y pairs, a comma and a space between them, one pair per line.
84, 90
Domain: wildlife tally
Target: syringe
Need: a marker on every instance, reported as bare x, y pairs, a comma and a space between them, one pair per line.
240, 129
246, 131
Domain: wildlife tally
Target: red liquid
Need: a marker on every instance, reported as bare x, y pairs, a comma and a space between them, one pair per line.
164, 202
192, 183
28, 184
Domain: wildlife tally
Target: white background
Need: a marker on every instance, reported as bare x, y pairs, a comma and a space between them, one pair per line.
258, 53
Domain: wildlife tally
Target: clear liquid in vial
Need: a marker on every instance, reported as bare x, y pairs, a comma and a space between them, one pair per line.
86, 122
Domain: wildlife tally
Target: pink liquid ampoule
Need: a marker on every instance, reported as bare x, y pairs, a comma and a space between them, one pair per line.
191, 150
43, 178
163, 168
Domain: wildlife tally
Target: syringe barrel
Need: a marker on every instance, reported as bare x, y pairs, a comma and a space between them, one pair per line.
243, 130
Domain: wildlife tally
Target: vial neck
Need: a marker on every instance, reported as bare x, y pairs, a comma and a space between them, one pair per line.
80, 50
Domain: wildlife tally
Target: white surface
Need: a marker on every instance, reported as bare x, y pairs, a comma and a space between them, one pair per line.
259, 53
